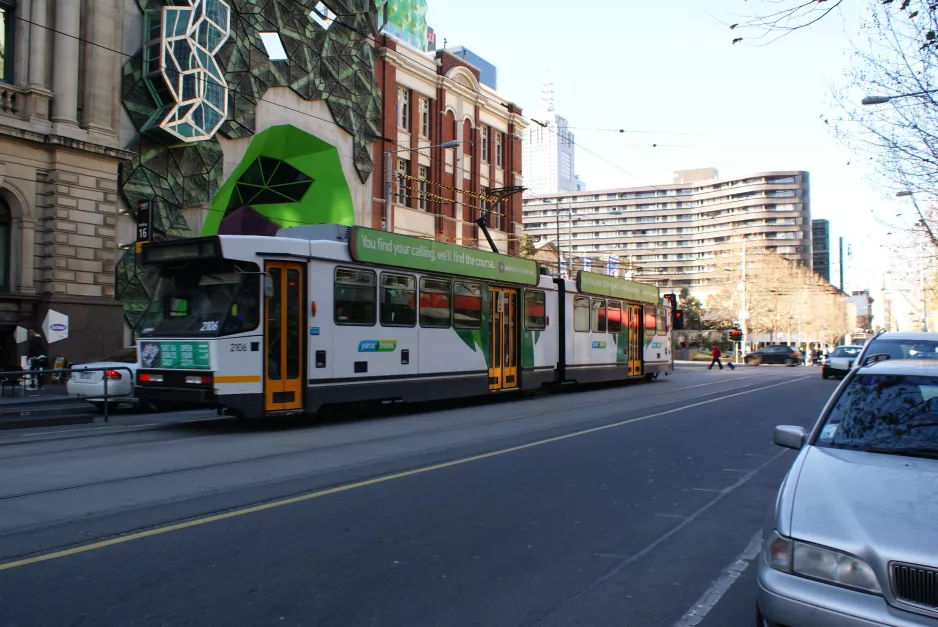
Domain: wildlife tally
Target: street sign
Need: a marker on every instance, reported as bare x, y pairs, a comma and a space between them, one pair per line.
144, 223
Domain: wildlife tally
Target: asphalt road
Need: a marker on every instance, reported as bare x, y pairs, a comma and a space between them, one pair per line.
635, 505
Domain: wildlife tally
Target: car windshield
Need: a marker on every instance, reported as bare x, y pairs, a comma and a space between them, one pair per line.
125, 356
903, 349
895, 414
204, 300
846, 351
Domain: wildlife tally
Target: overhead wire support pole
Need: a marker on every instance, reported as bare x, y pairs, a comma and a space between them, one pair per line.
495, 197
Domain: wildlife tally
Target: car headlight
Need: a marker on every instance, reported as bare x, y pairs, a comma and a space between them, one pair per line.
817, 562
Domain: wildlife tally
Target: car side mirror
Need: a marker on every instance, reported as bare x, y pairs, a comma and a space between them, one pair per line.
268, 286
872, 359
788, 436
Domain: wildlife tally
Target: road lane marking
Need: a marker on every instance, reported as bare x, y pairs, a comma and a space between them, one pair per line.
409, 473
664, 537
721, 584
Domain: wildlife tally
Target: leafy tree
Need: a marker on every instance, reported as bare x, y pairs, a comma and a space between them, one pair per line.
527, 246
693, 310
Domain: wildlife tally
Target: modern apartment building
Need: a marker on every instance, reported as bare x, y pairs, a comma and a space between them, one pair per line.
676, 234
821, 245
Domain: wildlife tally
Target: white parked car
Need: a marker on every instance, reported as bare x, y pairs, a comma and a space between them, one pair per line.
120, 383
840, 361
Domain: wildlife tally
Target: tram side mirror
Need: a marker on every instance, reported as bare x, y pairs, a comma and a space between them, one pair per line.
268, 286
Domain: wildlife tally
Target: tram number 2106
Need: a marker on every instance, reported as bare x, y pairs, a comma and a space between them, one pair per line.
239, 348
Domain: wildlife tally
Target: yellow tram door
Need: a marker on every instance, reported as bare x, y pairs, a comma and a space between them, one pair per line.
283, 337
503, 339
635, 340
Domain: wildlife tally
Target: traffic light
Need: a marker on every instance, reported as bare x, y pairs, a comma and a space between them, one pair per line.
678, 320
735, 335
672, 299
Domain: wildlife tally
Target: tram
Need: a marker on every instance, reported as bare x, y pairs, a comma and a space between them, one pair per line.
327, 314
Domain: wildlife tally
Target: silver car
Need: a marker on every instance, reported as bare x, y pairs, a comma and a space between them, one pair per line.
853, 536
900, 345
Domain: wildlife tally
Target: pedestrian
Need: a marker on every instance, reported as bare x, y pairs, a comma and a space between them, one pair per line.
715, 355
37, 349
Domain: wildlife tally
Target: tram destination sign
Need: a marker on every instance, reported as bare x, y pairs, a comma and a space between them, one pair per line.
603, 285
403, 251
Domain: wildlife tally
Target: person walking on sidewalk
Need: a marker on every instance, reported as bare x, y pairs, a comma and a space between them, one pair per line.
37, 350
715, 354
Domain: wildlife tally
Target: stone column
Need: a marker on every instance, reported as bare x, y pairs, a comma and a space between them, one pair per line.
38, 46
101, 68
65, 67
26, 255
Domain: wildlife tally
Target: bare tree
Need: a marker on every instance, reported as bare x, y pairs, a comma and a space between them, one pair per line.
770, 20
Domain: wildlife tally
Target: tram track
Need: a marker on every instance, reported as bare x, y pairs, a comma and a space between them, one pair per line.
131, 431
771, 382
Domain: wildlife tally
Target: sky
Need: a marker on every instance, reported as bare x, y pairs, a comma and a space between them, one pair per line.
668, 74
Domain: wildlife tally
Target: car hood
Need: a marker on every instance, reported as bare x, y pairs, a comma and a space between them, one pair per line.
879, 507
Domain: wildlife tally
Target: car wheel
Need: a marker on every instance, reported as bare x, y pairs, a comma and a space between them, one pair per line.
789, 362
824, 375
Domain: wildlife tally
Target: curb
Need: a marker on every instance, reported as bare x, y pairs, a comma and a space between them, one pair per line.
46, 414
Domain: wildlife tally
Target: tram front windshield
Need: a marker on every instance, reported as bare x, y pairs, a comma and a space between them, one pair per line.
203, 299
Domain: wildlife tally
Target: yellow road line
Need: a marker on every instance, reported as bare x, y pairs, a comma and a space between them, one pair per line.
239, 379
94, 546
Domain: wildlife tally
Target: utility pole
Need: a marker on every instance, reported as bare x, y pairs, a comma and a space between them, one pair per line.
841, 264
924, 292
743, 315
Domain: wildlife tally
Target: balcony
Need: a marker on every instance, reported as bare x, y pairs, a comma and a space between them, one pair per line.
12, 100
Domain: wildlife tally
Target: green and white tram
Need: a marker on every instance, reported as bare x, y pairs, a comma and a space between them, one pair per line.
328, 314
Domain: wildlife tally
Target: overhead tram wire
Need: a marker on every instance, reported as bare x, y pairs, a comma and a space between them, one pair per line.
310, 115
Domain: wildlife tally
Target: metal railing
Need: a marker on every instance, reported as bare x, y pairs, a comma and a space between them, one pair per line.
31, 379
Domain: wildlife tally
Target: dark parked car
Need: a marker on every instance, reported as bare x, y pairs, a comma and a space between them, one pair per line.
777, 354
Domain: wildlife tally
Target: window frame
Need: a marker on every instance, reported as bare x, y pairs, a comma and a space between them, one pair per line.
402, 166
609, 307
543, 296
335, 284
6, 245
403, 108
484, 133
9, 37
662, 321
423, 110
603, 307
423, 187
499, 150
481, 305
381, 289
654, 312
449, 293
580, 298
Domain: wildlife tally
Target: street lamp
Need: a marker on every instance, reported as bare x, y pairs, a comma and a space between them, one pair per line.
389, 174
877, 100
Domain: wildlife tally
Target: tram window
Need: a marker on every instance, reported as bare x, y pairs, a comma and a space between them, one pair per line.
599, 316
614, 317
581, 314
435, 303
535, 314
467, 306
651, 321
398, 300
662, 321
355, 298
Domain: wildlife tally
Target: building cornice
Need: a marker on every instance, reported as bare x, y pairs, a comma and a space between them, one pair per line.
52, 139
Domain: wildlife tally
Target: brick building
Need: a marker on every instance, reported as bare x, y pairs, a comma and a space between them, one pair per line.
431, 100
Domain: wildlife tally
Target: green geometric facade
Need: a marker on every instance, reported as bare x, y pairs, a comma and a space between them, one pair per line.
287, 177
335, 65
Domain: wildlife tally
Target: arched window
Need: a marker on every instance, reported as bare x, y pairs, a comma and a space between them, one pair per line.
5, 223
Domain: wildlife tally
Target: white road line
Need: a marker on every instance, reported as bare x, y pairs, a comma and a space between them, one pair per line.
721, 584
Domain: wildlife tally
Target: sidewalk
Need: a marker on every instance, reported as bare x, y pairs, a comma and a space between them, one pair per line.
47, 407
